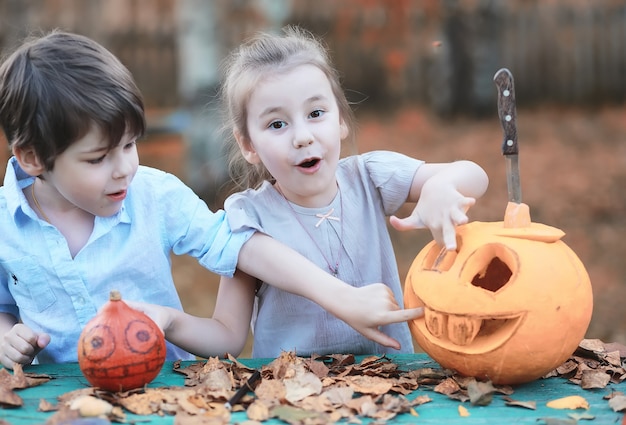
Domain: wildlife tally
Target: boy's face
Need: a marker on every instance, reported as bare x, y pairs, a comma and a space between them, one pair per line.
89, 176
296, 131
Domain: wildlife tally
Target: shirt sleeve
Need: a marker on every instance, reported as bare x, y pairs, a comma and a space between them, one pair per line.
241, 211
194, 229
392, 174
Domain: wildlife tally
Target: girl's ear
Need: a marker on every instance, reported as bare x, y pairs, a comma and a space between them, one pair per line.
246, 148
344, 130
28, 160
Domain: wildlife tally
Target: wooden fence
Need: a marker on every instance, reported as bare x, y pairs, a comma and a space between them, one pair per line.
440, 53
142, 33
444, 53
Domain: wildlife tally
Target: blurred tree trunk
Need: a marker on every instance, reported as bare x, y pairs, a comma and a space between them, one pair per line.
206, 32
200, 50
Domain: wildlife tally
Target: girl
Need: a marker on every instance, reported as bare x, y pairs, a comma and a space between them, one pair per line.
289, 118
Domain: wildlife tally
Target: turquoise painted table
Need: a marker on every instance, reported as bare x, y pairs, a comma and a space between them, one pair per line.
441, 410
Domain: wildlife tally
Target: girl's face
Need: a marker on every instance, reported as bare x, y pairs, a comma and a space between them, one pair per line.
89, 176
296, 131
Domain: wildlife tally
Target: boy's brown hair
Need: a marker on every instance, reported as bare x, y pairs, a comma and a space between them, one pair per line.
55, 87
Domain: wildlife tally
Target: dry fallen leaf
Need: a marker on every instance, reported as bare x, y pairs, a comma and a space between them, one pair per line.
17, 380
594, 379
302, 386
463, 412
89, 406
581, 416
571, 402
46, 406
516, 403
618, 403
480, 393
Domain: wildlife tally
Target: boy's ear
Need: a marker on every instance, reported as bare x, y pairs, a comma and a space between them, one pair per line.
246, 148
28, 160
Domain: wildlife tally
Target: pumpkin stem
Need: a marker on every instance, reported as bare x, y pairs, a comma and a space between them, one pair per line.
516, 215
115, 295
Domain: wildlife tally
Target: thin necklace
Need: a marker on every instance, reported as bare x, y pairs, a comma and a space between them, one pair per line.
333, 270
43, 214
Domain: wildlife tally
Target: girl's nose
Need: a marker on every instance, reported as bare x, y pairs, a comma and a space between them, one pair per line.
302, 136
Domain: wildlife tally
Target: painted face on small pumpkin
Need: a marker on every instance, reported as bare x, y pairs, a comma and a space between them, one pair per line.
509, 305
100, 342
121, 348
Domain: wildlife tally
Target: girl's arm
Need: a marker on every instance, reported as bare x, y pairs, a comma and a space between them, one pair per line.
365, 308
444, 193
225, 332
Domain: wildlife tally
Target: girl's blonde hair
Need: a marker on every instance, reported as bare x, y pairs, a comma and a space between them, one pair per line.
268, 54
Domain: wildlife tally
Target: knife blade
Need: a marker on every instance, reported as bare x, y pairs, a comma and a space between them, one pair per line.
508, 119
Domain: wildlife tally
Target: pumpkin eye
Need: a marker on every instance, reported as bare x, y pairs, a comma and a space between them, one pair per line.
140, 337
490, 267
99, 343
496, 275
440, 259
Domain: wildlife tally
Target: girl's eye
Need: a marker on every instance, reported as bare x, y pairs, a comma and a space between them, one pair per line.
277, 125
316, 114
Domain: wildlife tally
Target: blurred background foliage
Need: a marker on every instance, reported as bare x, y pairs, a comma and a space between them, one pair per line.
420, 73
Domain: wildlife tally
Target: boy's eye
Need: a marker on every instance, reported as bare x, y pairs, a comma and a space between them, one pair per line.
96, 161
130, 144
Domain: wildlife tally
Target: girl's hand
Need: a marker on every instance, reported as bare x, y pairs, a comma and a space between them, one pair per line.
161, 315
440, 208
443, 192
369, 308
20, 345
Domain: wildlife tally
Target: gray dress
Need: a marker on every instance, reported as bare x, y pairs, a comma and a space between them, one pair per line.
353, 238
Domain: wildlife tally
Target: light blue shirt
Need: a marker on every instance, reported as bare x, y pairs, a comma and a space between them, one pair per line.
48, 290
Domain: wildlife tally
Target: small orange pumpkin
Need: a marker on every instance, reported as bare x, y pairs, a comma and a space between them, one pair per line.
120, 348
510, 304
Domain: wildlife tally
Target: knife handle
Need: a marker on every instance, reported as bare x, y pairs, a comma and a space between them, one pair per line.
506, 110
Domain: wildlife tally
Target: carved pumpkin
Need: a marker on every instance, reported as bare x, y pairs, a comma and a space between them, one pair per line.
510, 304
120, 348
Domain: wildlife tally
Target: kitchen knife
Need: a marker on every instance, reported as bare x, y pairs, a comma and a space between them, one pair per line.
508, 118
517, 213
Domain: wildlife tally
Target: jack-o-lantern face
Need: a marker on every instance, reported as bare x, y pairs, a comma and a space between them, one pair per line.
120, 348
509, 305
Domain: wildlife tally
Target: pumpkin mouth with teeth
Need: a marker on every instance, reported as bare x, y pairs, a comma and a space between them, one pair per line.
474, 333
509, 304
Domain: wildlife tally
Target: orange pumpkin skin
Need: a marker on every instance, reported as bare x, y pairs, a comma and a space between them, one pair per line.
509, 305
121, 348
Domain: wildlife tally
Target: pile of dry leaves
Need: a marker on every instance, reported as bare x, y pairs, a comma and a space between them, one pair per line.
317, 390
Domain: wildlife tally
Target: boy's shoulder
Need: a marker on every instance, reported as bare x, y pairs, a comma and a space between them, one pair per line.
154, 177
154, 184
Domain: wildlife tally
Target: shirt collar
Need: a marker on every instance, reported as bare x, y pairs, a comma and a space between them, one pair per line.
15, 180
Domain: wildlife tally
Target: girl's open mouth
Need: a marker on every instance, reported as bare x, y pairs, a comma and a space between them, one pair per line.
310, 163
